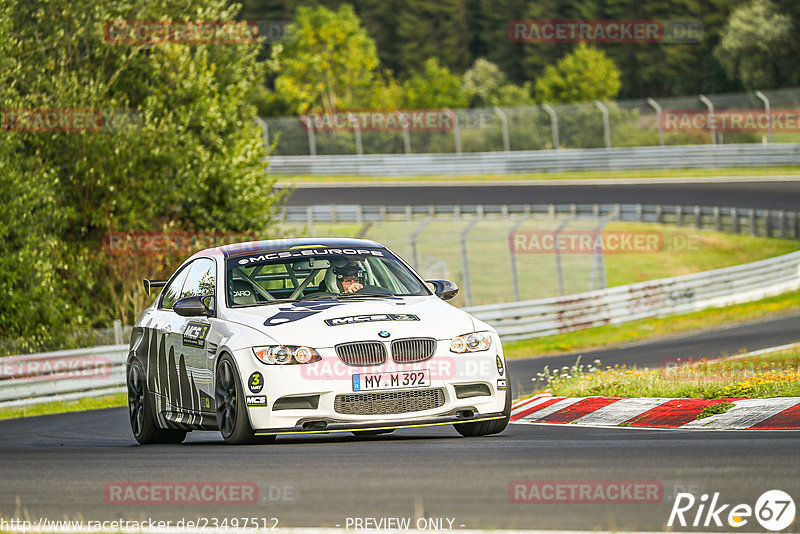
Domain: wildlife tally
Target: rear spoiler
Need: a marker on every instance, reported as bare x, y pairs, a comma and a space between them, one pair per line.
153, 283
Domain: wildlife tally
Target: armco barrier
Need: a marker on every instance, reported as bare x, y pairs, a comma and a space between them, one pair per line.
62, 375
78, 373
654, 298
630, 158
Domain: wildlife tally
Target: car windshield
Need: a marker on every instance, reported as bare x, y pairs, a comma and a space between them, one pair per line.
317, 274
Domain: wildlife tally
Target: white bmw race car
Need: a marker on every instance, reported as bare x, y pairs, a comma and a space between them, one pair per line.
297, 336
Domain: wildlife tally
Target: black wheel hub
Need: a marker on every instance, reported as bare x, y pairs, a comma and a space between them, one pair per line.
136, 393
225, 395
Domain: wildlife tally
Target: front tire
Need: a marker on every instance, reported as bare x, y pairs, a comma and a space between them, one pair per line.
141, 412
485, 428
234, 425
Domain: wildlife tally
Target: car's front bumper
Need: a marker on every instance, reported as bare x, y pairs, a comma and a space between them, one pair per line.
322, 383
334, 426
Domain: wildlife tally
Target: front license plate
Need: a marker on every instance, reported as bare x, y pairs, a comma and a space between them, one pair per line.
402, 379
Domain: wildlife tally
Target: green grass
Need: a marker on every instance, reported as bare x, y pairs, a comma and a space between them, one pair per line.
644, 329
760, 376
715, 409
571, 175
92, 403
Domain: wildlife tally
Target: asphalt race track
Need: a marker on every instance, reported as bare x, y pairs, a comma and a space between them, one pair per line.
777, 195
59, 466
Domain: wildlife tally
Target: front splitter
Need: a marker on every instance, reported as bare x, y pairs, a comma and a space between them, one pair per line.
355, 427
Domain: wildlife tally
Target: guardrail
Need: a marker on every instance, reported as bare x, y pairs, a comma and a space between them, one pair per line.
629, 158
71, 374
62, 375
654, 298
767, 223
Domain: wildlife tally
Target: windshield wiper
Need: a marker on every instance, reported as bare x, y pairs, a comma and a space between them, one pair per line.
355, 295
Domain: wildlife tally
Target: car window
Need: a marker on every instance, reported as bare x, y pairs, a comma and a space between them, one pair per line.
172, 292
316, 273
201, 279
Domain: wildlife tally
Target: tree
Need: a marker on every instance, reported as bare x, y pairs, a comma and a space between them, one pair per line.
753, 46
583, 75
331, 63
176, 147
434, 87
486, 85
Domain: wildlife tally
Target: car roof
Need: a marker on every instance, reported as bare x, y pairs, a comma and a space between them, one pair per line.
257, 247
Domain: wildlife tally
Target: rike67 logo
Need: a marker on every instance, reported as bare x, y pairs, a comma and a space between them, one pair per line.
774, 510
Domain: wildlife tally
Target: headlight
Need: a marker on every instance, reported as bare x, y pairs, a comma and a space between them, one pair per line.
286, 354
476, 342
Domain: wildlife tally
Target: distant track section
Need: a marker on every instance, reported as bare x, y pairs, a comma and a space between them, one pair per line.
778, 195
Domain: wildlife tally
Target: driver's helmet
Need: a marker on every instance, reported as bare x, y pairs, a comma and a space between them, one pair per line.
349, 270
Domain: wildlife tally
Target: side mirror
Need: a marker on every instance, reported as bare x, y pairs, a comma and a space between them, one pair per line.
192, 307
444, 289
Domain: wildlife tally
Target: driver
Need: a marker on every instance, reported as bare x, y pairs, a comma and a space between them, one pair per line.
349, 277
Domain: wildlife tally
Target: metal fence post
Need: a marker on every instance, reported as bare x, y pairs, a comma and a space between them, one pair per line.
606, 126
734, 221
752, 221
312, 140
356, 134
118, 332
556, 247
504, 123
414, 237
704, 99
597, 273
465, 263
406, 136
782, 222
264, 131
553, 122
456, 132
513, 257
767, 110
698, 217
655, 105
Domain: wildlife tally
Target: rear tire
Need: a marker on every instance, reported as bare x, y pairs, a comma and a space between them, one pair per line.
234, 425
141, 411
485, 428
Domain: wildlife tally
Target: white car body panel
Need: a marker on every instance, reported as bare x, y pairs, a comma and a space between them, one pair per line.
182, 376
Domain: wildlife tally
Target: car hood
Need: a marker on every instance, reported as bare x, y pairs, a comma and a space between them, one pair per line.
329, 322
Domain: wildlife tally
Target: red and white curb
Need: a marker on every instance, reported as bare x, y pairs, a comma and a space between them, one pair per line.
746, 414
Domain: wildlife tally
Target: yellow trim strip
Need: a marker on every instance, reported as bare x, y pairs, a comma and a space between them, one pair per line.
376, 428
